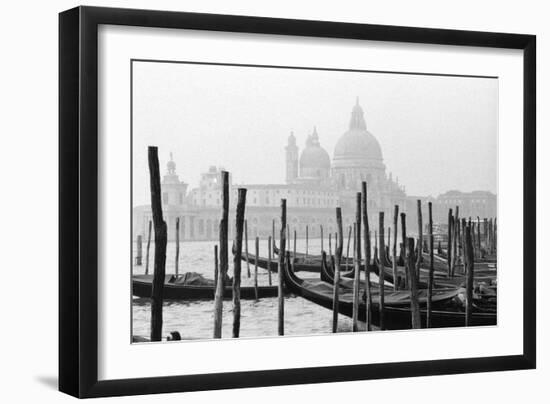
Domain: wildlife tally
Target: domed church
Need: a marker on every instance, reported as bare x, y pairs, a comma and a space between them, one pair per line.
357, 157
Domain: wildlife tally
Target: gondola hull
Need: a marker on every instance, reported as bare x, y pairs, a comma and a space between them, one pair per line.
395, 318
142, 287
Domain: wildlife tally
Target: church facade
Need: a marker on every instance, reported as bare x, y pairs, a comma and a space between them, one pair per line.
314, 186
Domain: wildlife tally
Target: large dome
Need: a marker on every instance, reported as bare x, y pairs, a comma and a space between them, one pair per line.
314, 160
357, 146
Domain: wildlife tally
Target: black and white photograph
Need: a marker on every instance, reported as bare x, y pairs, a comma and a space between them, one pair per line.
272, 201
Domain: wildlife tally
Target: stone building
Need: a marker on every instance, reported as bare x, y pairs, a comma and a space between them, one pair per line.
314, 186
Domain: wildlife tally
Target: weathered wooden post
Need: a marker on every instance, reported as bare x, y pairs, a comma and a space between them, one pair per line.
269, 256
237, 259
347, 250
148, 247
330, 244
366, 247
307, 240
280, 270
224, 256
394, 249
382, 269
177, 259
322, 247
431, 272
469, 274
450, 242
294, 251
479, 238
161, 238
415, 307
273, 236
338, 257
246, 248
420, 239
405, 246
357, 262
486, 235
139, 247
456, 226
256, 267
464, 264
216, 267
375, 246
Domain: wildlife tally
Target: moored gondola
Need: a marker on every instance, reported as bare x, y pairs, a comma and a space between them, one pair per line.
174, 290
397, 314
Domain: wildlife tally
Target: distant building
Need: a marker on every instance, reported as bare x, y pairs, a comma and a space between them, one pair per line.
314, 186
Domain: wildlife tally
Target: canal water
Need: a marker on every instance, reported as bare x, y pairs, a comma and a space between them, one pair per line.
195, 319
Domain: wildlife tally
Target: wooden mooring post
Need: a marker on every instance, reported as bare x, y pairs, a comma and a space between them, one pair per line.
139, 248
381, 266
257, 248
411, 267
405, 246
224, 256
161, 238
347, 249
177, 258
246, 248
479, 238
357, 262
367, 252
269, 259
216, 266
450, 242
337, 262
237, 260
420, 239
394, 248
280, 270
307, 240
431, 272
294, 250
322, 238
469, 274
330, 244
148, 247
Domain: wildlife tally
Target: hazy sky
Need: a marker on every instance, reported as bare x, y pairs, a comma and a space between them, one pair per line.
436, 133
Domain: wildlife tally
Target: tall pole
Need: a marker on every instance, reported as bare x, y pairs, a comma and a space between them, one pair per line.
357, 277
431, 273
405, 246
224, 256
337, 259
246, 248
420, 240
415, 308
382, 269
366, 246
237, 260
161, 239
176, 264
281, 299
394, 249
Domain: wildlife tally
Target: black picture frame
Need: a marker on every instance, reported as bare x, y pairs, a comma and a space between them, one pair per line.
78, 200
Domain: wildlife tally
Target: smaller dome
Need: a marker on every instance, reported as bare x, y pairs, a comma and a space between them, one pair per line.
313, 157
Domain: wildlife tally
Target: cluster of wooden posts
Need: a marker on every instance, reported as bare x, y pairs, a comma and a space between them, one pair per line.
465, 241
484, 238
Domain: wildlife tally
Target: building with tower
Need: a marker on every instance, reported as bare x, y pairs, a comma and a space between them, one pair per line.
314, 186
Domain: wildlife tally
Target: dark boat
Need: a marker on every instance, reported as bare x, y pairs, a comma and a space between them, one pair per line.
397, 315
177, 289
273, 266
